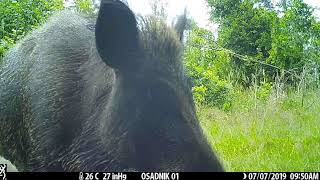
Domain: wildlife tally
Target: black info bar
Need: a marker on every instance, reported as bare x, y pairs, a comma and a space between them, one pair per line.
159, 175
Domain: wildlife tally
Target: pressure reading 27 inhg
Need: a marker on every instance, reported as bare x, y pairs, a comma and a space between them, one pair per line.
102, 176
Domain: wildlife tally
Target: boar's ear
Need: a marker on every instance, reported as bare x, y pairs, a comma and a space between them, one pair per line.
181, 24
117, 35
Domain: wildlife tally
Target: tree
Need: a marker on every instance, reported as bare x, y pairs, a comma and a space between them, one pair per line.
222, 9
291, 36
284, 39
246, 30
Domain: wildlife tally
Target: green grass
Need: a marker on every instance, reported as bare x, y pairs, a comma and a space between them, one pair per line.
279, 134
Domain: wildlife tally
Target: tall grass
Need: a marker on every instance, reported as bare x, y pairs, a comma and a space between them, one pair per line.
280, 133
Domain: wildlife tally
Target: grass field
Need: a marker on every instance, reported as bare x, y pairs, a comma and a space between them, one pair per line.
278, 134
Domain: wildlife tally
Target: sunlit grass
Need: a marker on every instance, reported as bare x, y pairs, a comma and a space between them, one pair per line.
280, 134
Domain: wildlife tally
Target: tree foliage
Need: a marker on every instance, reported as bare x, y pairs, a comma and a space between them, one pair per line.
285, 38
257, 42
19, 17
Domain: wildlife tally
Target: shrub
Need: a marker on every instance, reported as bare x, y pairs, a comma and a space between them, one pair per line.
204, 66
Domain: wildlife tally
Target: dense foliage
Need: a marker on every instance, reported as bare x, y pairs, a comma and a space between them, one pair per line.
284, 36
19, 17
258, 42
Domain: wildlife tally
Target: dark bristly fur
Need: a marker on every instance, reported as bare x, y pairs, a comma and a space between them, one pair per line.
110, 99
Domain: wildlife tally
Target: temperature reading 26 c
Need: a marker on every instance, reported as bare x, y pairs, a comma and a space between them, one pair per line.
88, 176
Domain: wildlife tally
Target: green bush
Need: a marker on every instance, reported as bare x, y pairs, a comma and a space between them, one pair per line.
204, 66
